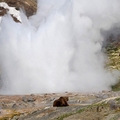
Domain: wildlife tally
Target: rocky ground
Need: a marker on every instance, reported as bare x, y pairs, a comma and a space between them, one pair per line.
104, 105
88, 106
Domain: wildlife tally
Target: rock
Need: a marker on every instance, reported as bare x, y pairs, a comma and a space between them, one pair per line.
51, 100
78, 101
105, 96
30, 6
46, 107
15, 118
28, 99
99, 96
112, 104
3, 11
14, 105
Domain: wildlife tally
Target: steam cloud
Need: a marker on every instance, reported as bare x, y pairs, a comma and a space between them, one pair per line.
59, 49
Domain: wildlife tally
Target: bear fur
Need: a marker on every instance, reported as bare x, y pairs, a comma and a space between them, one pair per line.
61, 102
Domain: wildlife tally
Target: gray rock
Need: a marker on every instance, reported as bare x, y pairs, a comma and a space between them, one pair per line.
112, 104
52, 99
78, 101
24, 99
15, 118
28, 99
14, 105
98, 96
105, 96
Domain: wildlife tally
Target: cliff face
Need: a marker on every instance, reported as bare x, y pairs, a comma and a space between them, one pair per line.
30, 6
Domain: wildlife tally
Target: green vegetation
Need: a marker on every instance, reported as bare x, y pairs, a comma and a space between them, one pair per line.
113, 52
69, 114
116, 87
97, 110
81, 110
64, 116
87, 108
118, 100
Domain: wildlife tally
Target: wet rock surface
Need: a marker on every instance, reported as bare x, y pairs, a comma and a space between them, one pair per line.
30, 6
84, 106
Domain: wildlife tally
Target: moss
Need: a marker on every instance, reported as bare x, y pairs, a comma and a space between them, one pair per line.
116, 87
69, 114
117, 99
113, 52
81, 110
64, 116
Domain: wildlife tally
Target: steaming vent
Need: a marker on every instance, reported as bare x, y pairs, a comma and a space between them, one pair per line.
59, 48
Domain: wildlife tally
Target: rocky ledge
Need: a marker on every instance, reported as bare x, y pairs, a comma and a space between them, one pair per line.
30, 6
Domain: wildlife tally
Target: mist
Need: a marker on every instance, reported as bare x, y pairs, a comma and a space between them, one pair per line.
59, 48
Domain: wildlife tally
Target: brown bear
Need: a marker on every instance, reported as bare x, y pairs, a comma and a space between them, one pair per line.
62, 101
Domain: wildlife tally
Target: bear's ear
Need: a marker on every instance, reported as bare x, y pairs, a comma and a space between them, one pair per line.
61, 98
66, 98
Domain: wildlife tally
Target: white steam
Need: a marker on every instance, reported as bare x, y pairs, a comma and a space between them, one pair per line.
59, 49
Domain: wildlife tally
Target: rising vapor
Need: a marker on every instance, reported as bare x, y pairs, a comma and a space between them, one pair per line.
59, 48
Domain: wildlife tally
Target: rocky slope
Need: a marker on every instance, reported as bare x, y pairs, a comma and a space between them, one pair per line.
30, 6
88, 106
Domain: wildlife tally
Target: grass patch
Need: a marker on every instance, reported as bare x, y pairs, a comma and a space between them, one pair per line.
64, 116
118, 100
113, 52
84, 109
81, 110
116, 87
93, 107
69, 114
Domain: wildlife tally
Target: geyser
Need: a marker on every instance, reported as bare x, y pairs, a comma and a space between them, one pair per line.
58, 49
